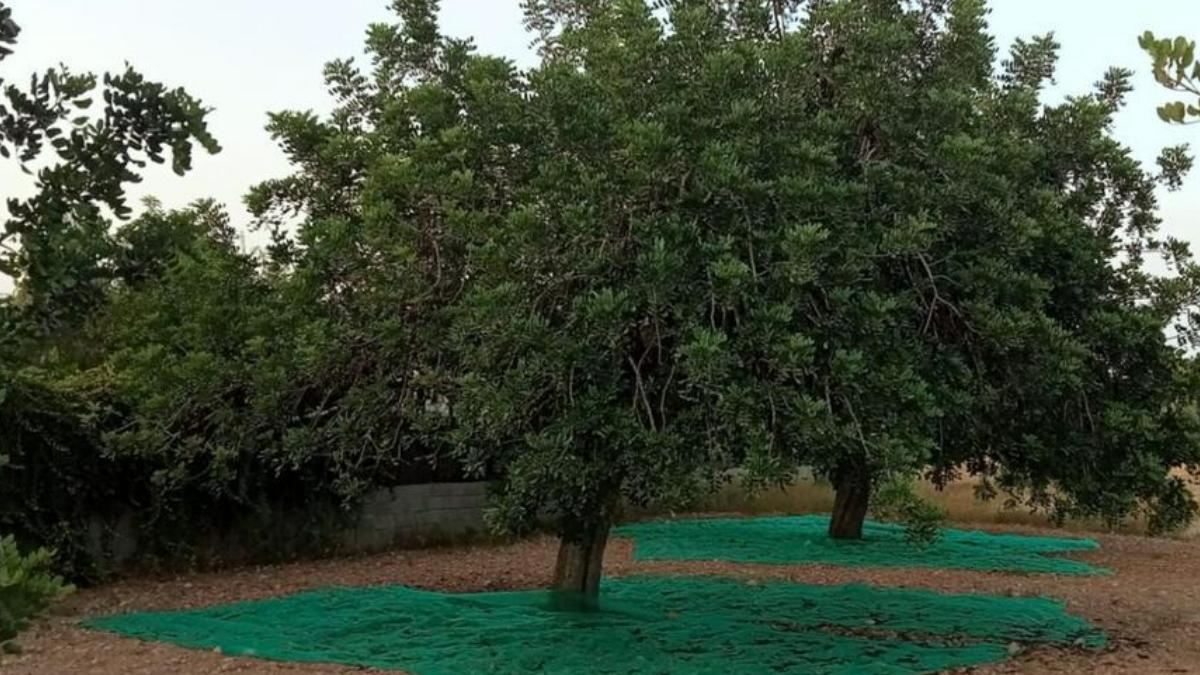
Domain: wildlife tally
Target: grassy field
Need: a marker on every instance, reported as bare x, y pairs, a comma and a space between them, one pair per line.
958, 499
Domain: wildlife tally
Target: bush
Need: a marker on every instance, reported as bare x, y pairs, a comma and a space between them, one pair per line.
55, 476
83, 456
26, 589
897, 501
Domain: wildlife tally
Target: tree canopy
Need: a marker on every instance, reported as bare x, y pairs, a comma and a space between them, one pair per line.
702, 235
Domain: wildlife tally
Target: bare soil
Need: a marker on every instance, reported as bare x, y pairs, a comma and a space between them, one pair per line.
1150, 607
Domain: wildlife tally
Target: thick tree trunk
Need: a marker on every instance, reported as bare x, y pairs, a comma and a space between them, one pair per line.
852, 492
577, 572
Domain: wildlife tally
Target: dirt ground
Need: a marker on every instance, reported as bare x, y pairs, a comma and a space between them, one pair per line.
1150, 607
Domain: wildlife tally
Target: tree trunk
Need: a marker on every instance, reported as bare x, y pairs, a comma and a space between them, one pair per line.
577, 572
852, 491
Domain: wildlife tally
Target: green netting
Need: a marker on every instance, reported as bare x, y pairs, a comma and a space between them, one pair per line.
803, 539
643, 625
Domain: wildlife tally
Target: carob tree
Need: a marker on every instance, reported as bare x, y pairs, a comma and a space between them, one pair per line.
700, 235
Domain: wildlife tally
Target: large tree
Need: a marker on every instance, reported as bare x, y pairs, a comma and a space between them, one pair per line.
918, 265
514, 234
700, 235
995, 327
697, 235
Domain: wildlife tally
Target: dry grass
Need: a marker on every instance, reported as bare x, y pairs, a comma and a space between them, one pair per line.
808, 495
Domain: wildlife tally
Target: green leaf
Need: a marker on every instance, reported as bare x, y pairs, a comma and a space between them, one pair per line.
1179, 48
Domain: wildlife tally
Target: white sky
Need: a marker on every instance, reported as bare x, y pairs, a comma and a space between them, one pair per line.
247, 57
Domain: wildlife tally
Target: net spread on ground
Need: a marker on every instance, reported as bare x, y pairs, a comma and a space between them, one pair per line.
647, 624
804, 539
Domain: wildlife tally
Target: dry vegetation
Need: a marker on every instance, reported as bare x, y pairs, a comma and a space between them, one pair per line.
807, 495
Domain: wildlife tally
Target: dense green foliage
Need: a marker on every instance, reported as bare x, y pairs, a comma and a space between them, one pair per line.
850, 244
54, 474
897, 501
697, 235
57, 399
56, 242
27, 587
151, 366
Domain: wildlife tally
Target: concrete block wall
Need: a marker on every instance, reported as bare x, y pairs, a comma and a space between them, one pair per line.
412, 512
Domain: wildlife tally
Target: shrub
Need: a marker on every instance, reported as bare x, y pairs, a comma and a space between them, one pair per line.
55, 476
897, 501
26, 589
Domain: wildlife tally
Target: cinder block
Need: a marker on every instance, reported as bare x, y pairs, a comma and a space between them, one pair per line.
460, 501
372, 538
461, 489
378, 498
405, 492
441, 502
377, 521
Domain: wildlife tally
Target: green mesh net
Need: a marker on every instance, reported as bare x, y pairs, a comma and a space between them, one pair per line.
803, 539
643, 625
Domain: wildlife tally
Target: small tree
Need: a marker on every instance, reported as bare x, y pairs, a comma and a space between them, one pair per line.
27, 587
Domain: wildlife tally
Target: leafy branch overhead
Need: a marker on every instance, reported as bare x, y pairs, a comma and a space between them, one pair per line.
84, 139
8, 31
1176, 68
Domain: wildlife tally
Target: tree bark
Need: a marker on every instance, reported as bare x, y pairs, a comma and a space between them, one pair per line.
852, 492
577, 571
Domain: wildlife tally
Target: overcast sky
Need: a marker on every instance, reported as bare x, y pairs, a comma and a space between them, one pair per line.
247, 57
